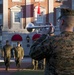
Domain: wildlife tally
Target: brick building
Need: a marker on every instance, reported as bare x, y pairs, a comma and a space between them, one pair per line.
16, 14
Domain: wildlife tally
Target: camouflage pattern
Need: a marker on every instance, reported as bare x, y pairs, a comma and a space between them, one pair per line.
35, 64
58, 51
19, 54
7, 55
38, 54
7, 50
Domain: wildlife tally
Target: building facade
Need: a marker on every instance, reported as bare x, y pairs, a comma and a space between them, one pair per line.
15, 15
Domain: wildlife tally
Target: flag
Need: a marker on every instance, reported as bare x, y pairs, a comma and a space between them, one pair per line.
38, 11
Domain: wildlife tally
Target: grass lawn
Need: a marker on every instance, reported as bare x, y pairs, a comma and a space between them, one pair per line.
29, 72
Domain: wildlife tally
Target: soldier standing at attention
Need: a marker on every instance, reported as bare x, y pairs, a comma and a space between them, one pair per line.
58, 49
19, 54
7, 54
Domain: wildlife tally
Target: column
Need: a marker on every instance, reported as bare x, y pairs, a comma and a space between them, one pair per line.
5, 15
28, 12
51, 11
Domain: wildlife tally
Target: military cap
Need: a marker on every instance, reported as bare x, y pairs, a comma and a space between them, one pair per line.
66, 12
7, 41
18, 42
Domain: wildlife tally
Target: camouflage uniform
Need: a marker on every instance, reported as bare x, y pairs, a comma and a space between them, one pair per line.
7, 55
35, 64
58, 51
19, 53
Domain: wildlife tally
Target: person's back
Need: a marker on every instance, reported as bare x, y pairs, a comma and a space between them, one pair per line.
7, 50
61, 56
59, 49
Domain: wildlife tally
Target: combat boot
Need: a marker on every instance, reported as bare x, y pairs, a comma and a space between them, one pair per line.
7, 68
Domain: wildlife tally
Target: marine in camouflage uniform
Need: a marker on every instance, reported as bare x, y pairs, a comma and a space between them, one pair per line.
58, 49
7, 54
35, 64
19, 54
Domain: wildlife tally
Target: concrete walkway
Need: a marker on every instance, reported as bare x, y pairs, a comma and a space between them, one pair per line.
26, 59
26, 63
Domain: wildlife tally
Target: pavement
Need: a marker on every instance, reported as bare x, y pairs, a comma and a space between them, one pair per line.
25, 59
26, 64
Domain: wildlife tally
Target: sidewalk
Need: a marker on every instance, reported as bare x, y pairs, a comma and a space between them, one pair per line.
26, 59
26, 63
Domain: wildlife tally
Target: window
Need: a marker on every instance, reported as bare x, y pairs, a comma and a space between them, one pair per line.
16, 0
1, 1
1, 19
17, 16
40, 18
39, 0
